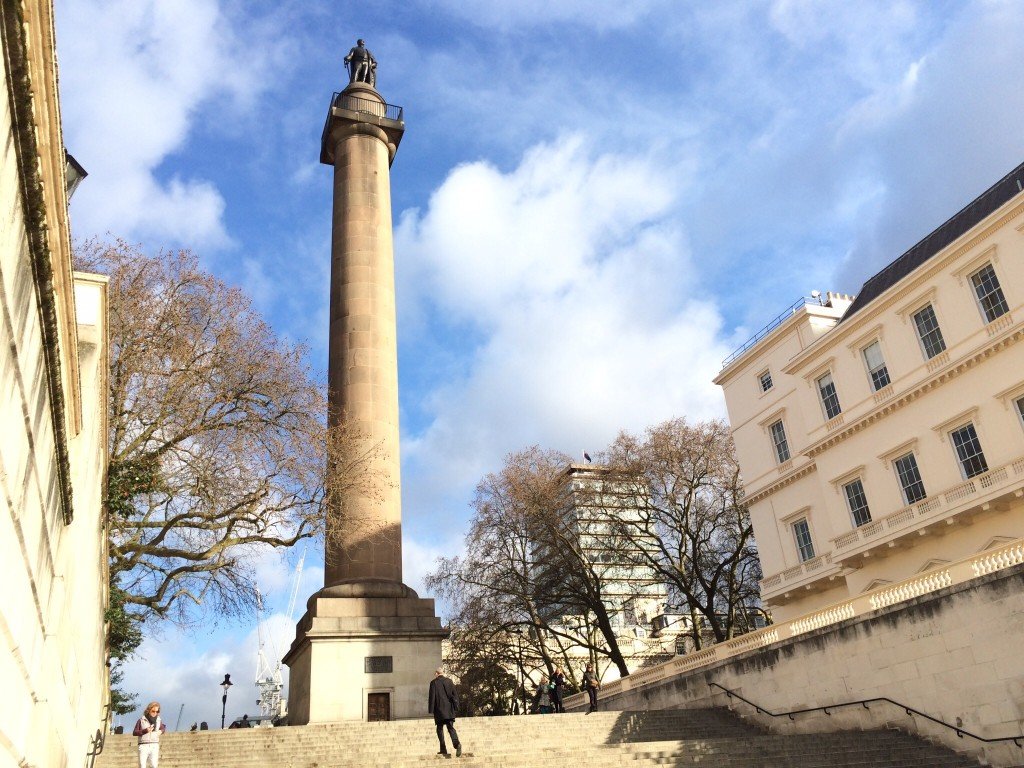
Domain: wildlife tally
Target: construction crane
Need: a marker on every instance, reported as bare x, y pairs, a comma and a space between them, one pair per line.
269, 681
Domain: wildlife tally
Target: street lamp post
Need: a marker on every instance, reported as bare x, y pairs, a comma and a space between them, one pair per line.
224, 699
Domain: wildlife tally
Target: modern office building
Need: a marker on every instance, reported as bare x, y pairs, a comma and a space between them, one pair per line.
594, 505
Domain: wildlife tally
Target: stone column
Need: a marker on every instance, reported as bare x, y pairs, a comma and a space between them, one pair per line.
365, 531
367, 643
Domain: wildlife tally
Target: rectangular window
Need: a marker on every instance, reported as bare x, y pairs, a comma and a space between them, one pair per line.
928, 331
910, 479
877, 370
765, 379
990, 294
968, 450
804, 545
829, 398
778, 433
857, 502
1020, 407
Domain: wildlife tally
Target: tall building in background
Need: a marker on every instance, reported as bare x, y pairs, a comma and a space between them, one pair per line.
882, 437
595, 504
367, 645
53, 399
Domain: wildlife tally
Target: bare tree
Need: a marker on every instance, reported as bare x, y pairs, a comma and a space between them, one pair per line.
530, 563
689, 523
218, 436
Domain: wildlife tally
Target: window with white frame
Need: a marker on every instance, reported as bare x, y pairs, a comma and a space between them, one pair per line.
829, 397
990, 294
857, 502
909, 477
968, 451
928, 332
778, 433
802, 534
877, 369
765, 380
1019, 402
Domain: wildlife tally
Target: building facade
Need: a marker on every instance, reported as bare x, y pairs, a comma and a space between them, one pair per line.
53, 369
883, 436
595, 504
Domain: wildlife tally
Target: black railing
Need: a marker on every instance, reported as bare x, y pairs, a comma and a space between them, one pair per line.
375, 112
97, 742
775, 323
341, 100
1018, 740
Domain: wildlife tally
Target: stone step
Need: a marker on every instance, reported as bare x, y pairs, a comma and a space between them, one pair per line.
601, 740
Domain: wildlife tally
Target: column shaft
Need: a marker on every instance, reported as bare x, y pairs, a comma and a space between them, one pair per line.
364, 540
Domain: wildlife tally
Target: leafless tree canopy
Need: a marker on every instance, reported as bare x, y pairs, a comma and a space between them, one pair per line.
218, 435
687, 481
525, 568
665, 507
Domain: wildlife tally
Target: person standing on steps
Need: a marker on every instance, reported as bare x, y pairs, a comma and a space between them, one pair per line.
542, 698
148, 729
591, 683
443, 704
557, 684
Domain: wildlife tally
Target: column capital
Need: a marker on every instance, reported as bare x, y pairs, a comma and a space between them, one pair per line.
359, 109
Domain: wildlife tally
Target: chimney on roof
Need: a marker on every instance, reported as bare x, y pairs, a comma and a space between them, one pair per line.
838, 301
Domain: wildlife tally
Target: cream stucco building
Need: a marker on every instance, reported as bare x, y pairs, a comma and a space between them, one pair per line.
882, 436
53, 363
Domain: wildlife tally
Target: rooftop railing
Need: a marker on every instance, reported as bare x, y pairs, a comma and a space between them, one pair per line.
352, 103
370, 110
775, 323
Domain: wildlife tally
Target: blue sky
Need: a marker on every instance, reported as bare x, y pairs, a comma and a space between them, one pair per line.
595, 200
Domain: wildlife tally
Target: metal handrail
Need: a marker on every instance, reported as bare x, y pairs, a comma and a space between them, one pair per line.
369, 106
771, 326
960, 732
378, 110
99, 741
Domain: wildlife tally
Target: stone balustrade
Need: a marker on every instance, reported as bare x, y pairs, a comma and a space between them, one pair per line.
902, 520
931, 581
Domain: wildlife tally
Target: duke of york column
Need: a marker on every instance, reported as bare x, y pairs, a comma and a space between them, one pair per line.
367, 645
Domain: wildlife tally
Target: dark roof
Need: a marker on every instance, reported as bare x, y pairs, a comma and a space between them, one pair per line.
988, 201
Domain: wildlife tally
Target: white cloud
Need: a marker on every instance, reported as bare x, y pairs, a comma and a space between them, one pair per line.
178, 666
596, 14
134, 75
184, 667
940, 135
420, 558
580, 287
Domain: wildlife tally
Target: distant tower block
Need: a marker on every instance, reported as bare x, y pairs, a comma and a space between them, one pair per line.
367, 645
360, 141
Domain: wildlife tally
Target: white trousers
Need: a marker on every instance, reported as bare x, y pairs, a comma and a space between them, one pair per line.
149, 754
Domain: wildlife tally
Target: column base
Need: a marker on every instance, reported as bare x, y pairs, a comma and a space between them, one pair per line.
363, 651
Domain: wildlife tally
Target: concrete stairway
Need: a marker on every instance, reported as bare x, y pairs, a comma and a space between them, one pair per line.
600, 740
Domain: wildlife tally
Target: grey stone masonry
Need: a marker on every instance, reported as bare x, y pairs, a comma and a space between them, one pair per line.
711, 737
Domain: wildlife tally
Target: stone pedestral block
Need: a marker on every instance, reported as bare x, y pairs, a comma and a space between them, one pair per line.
344, 647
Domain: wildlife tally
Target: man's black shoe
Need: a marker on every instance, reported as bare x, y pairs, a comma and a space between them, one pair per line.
458, 751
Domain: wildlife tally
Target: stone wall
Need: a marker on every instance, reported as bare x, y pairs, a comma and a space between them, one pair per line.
955, 654
53, 385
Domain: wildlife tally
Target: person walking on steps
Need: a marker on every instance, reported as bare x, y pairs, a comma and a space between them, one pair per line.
591, 683
557, 684
443, 703
148, 729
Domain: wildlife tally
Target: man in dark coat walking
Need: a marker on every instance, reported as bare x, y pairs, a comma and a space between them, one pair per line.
443, 703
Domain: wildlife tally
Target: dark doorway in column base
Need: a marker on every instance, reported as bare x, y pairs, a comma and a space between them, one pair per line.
378, 707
